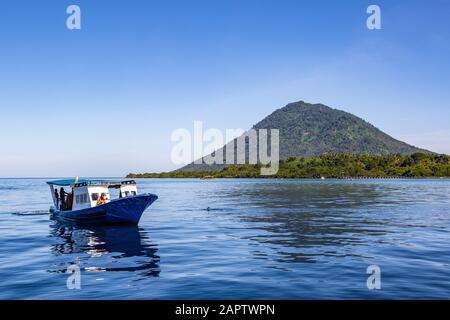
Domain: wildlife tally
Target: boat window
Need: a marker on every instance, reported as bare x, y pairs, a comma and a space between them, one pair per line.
133, 193
94, 196
81, 198
127, 193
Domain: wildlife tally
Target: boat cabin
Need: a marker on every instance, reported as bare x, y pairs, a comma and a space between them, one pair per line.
77, 194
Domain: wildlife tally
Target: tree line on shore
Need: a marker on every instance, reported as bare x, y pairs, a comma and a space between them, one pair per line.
338, 165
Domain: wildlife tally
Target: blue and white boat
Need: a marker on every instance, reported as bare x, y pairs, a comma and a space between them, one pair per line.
90, 201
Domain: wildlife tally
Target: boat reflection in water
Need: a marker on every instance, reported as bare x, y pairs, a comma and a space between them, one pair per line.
105, 248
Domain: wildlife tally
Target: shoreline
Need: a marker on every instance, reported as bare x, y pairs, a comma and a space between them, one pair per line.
330, 166
299, 178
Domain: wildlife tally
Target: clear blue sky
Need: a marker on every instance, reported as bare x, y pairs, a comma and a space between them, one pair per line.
103, 100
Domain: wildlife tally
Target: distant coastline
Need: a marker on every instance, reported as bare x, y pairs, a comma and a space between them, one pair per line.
332, 166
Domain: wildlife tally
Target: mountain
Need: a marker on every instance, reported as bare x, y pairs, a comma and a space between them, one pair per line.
310, 130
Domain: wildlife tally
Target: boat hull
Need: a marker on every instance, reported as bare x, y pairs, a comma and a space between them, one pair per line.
126, 210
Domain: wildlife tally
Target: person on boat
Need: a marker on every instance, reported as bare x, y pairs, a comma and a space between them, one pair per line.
57, 198
62, 197
69, 201
102, 199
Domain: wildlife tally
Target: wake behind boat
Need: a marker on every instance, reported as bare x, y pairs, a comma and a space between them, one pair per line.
90, 201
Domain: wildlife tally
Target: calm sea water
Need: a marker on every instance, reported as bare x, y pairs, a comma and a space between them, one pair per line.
236, 239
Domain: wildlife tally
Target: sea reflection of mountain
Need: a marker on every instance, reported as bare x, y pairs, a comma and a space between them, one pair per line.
305, 221
126, 247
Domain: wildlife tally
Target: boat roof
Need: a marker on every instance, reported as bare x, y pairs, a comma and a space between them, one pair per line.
90, 182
